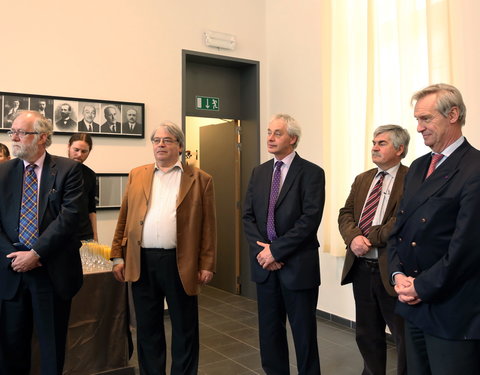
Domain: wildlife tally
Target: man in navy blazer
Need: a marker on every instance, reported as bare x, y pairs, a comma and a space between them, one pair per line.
434, 256
37, 282
285, 264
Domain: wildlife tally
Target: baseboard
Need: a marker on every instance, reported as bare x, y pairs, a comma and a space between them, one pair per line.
344, 322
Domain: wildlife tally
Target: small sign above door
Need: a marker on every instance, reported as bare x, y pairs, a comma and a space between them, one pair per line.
207, 103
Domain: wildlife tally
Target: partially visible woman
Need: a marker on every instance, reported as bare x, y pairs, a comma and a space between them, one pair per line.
79, 147
4, 153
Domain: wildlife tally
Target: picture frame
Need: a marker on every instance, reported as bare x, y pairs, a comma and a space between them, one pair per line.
110, 188
104, 118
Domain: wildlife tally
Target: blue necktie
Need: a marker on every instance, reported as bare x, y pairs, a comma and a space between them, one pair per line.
28, 228
274, 191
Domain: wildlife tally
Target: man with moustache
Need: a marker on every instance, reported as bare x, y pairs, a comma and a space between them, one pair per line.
433, 249
111, 125
40, 267
131, 126
282, 212
66, 122
87, 124
365, 223
165, 244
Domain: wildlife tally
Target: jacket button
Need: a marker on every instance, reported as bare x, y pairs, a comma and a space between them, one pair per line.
402, 212
141, 222
413, 244
400, 239
139, 243
415, 271
423, 220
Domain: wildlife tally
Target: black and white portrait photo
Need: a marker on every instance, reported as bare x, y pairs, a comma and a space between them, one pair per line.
42, 105
65, 116
132, 122
89, 112
11, 105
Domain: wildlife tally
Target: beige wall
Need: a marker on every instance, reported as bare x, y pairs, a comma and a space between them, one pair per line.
131, 51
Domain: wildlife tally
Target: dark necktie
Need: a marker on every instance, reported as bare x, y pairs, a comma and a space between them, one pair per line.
370, 208
113, 128
433, 164
274, 191
28, 228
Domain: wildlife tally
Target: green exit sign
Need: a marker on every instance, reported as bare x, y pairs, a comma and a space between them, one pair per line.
207, 103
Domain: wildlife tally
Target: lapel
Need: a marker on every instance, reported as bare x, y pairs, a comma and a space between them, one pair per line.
49, 174
293, 171
148, 180
186, 183
420, 190
16, 194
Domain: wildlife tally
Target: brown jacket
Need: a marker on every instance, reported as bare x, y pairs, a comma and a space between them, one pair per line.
196, 224
350, 214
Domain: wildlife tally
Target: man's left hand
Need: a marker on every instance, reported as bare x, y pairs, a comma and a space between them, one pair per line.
204, 276
265, 257
24, 261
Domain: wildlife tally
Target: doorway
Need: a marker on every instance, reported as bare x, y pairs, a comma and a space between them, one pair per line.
235, 84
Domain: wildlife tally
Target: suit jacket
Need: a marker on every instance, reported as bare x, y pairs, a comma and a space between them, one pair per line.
349, 217
196, 225
70, 125
58, 245
105, 128
82, 127
435, 240
137, 129
298, 213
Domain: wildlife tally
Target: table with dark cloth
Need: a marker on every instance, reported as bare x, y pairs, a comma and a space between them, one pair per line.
98, 339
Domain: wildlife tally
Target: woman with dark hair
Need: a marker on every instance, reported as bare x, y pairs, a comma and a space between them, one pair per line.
4, 153
79, 147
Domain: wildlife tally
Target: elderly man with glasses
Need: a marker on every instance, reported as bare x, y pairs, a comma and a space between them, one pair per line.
165, 244
40, 268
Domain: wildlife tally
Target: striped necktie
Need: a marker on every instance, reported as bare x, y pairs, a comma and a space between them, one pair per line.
370, 208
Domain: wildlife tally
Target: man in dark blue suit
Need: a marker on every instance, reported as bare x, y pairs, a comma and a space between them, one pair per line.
282, 213
40, 268
434, 256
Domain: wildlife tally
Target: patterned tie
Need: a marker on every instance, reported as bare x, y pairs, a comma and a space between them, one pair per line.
28, 228
435, 159
275, 189
370, 208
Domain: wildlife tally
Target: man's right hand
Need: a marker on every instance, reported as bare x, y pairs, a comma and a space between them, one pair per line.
360, 245
119, 272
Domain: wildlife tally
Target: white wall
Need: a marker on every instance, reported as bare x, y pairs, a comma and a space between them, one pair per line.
294, 48
131, 51
118, 50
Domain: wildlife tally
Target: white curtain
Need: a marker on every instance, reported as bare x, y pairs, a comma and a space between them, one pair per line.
376, 54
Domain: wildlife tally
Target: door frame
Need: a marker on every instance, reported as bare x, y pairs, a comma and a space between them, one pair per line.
247, 111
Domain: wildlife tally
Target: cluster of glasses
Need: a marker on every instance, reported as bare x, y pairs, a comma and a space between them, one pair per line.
95, 257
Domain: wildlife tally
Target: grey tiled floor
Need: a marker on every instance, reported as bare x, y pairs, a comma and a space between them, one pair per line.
229, 340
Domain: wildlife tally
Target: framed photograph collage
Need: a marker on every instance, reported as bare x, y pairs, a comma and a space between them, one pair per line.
73, 115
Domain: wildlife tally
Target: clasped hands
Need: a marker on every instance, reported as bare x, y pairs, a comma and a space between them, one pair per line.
265, 258
405, 288
23, 261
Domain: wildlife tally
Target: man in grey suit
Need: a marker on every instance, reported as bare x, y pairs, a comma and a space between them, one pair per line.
282, 213
365, 222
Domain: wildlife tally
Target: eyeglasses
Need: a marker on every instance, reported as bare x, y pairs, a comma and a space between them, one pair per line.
166, 140
20, 133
